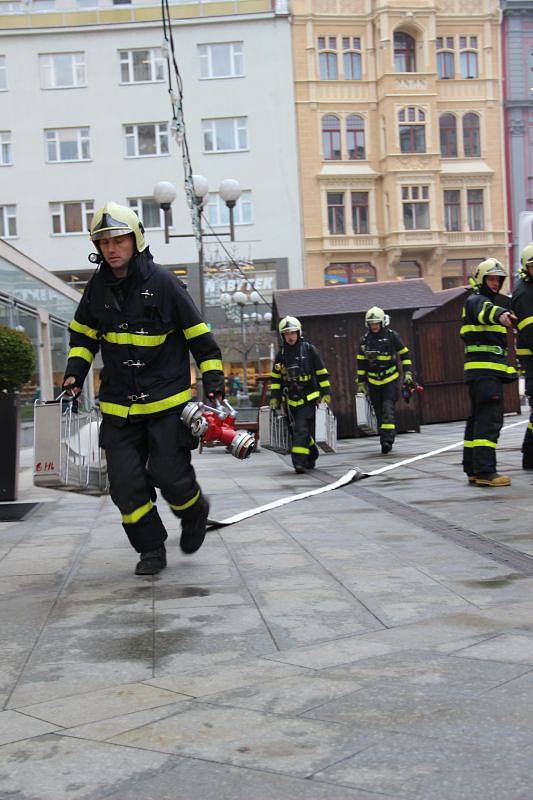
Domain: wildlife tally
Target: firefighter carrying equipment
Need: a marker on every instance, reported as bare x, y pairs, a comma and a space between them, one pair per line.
115, 220
522, 306
300, 378
145, 325
290, 325
377, 359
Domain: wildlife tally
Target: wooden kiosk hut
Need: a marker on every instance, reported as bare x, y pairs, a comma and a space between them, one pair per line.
333, 320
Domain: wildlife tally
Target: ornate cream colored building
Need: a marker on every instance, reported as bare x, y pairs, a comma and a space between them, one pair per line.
401, 147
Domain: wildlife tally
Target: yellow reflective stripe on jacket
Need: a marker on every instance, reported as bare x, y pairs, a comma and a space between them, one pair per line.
361, 371
493, 313
387, 426
81, 352
321, 371
385, 358
210, 364
530, 426
483, 443
79, 328
275, 385
468, 443
482, 329
188, 504
137, 514
275, 374
490, 365
524, 323
406, 361
295, 403
390, 378
481, 315
403, 350
195, 330
303, 450
361, 357
524, 351
313, 395
137, 339
118, 410
324, 383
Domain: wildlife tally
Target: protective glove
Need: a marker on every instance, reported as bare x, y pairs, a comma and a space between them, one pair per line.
361, 388
326, 398
408, 377
214, 385
71, 385
274, 403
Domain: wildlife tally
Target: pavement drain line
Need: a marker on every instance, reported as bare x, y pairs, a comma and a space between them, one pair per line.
470, 540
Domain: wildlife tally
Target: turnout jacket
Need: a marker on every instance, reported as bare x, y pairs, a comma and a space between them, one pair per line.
299, 374
145, 325
522, 305
484, 338
377, 359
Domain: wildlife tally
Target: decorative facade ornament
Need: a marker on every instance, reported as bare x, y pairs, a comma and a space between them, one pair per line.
517, 127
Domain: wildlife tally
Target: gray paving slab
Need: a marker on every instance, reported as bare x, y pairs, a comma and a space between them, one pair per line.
15, 726
507, 647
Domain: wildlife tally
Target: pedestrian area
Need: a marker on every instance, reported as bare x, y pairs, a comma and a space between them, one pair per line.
371, 642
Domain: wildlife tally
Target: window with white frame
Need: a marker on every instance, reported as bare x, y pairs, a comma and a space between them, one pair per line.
62, 70
142, 66
146, 139
6, 149
327, 58
412, 129
217, 211
445, 57
336, 215
8, 222
71, 217
415, 202
351, 58
149, 212
221, 60
42, 5
468, 46
3, 74
67, 144
474, 202
225, 134
452, 209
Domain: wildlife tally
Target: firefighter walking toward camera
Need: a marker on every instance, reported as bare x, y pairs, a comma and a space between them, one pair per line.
145, 324
377, 371
522, 306
300, 380
486, 318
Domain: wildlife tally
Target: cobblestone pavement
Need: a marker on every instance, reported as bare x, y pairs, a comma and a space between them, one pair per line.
372, 642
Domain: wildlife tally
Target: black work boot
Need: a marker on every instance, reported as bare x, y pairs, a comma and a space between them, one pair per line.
193, 526
152, 562
386, 447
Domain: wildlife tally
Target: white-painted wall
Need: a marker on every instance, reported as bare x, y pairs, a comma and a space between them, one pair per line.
264, 95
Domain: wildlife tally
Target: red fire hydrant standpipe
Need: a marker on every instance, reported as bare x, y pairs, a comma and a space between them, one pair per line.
213, 425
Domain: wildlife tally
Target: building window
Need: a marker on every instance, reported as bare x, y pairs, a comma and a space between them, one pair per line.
222, 60
68, 144
342, 274
445, 57
474, 200
355, 137
3, 74
71, 217
331, 137
225, 135
448, 136
6, 149
8, 222
351, 58
141, 66
408, 270
217, 211
62, 70
404, 52
471, 139
327, 58
412, 129
452, 209
360, 212
149, 212
150, 139
336, 212
415, 201
468, 56
456, 271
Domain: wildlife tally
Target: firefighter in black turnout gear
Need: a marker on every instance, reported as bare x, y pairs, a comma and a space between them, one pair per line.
299, 379
145, 324
522, 305
377, 371
486, 317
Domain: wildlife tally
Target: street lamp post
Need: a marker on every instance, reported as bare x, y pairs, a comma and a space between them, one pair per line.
240, 298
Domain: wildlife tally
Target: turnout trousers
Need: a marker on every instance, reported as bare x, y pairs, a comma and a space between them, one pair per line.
527, 444
140, 456
383, 399
483, 426
304, 451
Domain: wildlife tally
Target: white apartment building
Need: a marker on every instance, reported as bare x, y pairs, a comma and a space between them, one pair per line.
85, 117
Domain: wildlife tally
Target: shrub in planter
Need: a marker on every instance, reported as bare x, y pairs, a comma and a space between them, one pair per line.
17, 362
